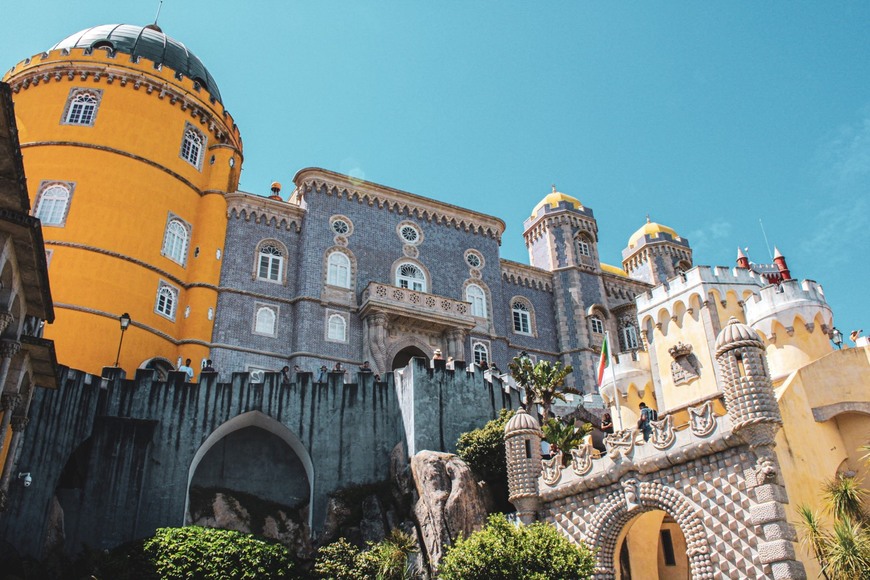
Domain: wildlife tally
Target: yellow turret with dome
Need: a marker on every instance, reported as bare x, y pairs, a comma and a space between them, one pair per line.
653, 230
554, 198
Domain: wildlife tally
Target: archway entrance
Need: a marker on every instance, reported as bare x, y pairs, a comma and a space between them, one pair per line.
651, 546
404, 356
254, 475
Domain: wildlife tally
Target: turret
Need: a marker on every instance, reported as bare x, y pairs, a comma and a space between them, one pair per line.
522, 438
742, 260
555, 221
779, 260
656, 253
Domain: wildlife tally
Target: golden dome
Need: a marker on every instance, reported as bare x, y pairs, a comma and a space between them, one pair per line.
650, 229
554, 198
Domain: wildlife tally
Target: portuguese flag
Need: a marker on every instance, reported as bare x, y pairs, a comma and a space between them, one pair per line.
604, 361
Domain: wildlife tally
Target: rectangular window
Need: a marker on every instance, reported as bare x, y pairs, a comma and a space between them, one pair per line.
597, 325
668, 548
521, 322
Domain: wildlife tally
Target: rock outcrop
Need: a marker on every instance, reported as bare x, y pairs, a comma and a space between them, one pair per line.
449, 502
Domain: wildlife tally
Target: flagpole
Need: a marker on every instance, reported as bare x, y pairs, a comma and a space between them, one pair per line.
613, 377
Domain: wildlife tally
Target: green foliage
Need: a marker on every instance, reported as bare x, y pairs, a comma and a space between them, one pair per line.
843, 552
502, 551
208, 553
483, 449
544, 382
385, 560
565, 436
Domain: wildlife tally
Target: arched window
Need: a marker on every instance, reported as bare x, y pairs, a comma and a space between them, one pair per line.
481, 354
596, 325
629, 338
175, 240
583, 248
53, 205
522, 317
411, 277
477, 297
167, 300
265, 321
192, 146
81, 108
337, 328
338, 270
270, 262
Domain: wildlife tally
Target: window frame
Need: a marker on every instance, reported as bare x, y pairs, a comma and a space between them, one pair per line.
474, 351
275, 310
399, 277
332, 315
417, 229
202, 145
185, 226
630, 337
258, 261
522, 309
174, 293
596, 322
71, 102
44, 188
333, 267
477, 300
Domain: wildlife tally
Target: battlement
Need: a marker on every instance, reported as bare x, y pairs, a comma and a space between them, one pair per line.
630, 368
97, 66
697, 276
785, 302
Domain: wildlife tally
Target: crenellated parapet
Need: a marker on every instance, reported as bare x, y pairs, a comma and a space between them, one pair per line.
630, 369
664, 295
249, 207
789, 303
311, 181
96, 66
528, 276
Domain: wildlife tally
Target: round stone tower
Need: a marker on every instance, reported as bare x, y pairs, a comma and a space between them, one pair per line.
522, 437
129, 153
748, 391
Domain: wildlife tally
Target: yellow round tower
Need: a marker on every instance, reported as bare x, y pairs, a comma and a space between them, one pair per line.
129, 153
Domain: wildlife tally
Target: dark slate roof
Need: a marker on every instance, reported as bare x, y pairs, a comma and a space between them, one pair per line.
146, 42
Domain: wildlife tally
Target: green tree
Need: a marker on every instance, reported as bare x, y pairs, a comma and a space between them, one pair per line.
543, 382
503, 551
483, 449
210, 553
565, 436
385, 560
843, 551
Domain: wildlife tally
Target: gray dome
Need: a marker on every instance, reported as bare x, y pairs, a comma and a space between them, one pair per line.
736, 334
146, 42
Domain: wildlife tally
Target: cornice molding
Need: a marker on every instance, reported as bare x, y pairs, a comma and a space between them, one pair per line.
314, 180
248, 206
524, 275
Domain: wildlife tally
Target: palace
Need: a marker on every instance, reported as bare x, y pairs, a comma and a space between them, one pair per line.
133, 165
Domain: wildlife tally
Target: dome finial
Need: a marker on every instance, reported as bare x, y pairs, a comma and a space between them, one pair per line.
647, 218
157, 16
554, 188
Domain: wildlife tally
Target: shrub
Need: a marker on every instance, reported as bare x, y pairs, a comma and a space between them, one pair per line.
503, 551
385, 560
483, 449
208, 553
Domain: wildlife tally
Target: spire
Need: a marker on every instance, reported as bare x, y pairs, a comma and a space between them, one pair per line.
742, 260
781, 264
776, 253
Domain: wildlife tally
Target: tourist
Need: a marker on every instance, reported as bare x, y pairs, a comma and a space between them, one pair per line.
187, 370
644, 422
322, 375
607, 424
366, 367
450, 363
285, 376
209, 367
437, 355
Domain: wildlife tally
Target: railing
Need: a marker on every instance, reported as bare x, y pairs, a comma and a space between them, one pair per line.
414, 303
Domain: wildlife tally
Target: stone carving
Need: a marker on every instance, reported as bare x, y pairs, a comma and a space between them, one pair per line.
9, 348
9, 401
5, 320
702, 420
581, 460
765, 469
663, 432
552, 469
684, 367
19, 423
450, 505
632, 494
620, 443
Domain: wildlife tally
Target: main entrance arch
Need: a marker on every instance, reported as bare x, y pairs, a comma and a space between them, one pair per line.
234, 454
651, 546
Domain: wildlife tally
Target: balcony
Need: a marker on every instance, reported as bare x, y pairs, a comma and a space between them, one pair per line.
423, 311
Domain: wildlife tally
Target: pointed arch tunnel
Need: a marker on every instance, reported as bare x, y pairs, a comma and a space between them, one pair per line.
261, 421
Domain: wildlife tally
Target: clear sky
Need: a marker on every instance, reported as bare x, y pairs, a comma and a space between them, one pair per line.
708, 116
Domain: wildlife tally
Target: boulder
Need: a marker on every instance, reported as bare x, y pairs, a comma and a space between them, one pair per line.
449, 505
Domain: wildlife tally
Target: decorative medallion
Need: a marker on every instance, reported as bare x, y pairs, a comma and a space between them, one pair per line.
552, 469
663, 434
702, 420
410, 251
684, 367
581, 460
620, 443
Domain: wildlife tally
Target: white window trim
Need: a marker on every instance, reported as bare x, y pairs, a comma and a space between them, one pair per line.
594, 322
43, 188
584, 248
400, 278
276, 310
203, 146
348, 273
282, 274
68, 108
188, 230
529, 314
175, 297
417, 228
346, 220
485, 346
481, 298
630, 338
478, 255
330, 314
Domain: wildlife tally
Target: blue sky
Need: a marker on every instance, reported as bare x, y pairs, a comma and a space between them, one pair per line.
707, 116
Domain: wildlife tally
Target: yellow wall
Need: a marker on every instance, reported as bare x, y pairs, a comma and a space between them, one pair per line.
646, 554
121, 203
794, 350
